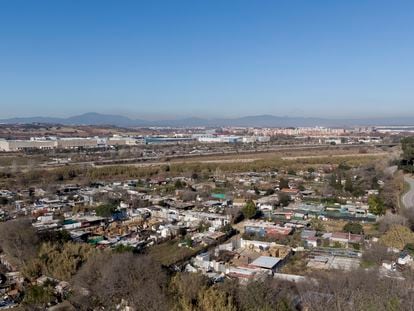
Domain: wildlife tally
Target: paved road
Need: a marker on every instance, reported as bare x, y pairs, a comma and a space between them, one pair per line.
408, 198
360, 155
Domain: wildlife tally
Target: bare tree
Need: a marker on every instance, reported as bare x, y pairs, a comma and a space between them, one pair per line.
355, 290
386, 222
111, 279
19, 240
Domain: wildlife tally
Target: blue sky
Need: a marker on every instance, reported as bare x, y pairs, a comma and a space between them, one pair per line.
207, 58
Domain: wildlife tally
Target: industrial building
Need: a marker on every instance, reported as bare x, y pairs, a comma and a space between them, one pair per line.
50, 143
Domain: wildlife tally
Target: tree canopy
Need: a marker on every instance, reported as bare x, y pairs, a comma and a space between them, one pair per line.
249, 210
105, 210
376, 205
354, 228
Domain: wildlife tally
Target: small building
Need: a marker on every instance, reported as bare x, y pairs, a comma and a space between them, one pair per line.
266, 262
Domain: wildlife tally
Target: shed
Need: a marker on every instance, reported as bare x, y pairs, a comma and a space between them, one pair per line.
266, 262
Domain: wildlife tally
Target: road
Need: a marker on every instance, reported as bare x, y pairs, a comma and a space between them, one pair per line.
408, 198
376, 154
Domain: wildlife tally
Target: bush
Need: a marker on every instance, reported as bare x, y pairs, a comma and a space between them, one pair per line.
376, 205
284, 199
38, 296
397, 237
317, 224
249, 210
105, 210
354, 228
60, 261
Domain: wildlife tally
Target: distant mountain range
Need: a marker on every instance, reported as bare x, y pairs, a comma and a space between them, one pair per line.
93, 118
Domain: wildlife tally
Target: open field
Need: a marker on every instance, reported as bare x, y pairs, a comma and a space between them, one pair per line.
338, 225
82, 173
285, 155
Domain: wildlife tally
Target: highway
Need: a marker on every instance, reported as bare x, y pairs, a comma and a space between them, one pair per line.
408, 198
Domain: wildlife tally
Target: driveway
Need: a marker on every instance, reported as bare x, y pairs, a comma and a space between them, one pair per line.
408, 198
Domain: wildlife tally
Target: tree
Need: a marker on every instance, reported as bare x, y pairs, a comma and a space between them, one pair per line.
284, 199
332, 180
397, 237
283, 183
182, 232
336, 182
389, 219
60, 261
375, 254
407, 144
3, 201
186, 288
348, 184
212, 299
354, 290
291, 172
407, 158
188, 196
390, 191
107, 279
178, 184
375, 184
354, 228
19, 240
122, 248
268, 294
38, 297
376, 205
105, 210
317, 224
249, 210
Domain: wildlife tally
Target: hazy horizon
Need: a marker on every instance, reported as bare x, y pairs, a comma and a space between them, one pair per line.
156, 118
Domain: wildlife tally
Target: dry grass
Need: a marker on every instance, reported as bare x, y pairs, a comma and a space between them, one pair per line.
169, 253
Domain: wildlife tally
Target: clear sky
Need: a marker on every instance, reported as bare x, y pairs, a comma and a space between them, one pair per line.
207, 58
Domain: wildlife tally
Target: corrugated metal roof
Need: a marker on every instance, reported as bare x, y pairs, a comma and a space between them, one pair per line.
266, 262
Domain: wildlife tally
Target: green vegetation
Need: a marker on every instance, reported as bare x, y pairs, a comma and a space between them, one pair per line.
195, 292
407, 160
249, 210
317, 225
105, 210
121, 248
38, 296
354, 227
296, 264
409, 248
284, 199
398, 237
376, 205
283, 183
80, 174
59, 261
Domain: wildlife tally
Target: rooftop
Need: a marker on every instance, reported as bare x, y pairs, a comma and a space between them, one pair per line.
266, 262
